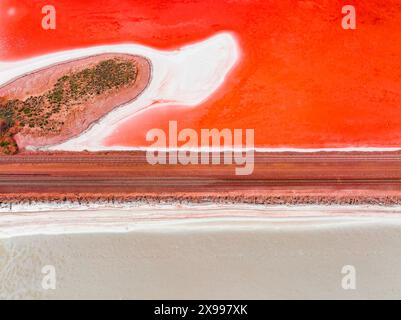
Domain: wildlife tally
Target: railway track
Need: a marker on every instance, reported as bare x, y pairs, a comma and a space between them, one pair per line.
357, 175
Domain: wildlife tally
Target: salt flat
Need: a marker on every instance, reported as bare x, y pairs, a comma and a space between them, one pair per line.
201, 252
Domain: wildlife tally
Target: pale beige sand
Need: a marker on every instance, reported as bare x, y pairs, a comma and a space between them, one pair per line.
202, 253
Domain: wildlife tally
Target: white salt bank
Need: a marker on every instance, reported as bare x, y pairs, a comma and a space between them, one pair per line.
184, 77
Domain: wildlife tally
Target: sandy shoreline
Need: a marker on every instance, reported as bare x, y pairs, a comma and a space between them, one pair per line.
71, 218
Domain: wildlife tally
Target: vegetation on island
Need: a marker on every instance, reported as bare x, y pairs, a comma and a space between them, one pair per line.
46, 113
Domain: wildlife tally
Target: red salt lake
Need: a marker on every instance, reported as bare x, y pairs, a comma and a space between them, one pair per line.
302, 80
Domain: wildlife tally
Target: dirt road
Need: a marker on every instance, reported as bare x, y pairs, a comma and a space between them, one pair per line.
277, 178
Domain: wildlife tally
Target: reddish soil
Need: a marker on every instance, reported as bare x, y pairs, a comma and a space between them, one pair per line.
79, 117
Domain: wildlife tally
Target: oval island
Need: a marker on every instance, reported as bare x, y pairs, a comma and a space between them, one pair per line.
52, 105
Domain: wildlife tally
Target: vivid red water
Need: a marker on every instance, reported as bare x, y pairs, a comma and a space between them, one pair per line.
303, 80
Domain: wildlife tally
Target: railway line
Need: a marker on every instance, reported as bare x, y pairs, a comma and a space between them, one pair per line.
361, 176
